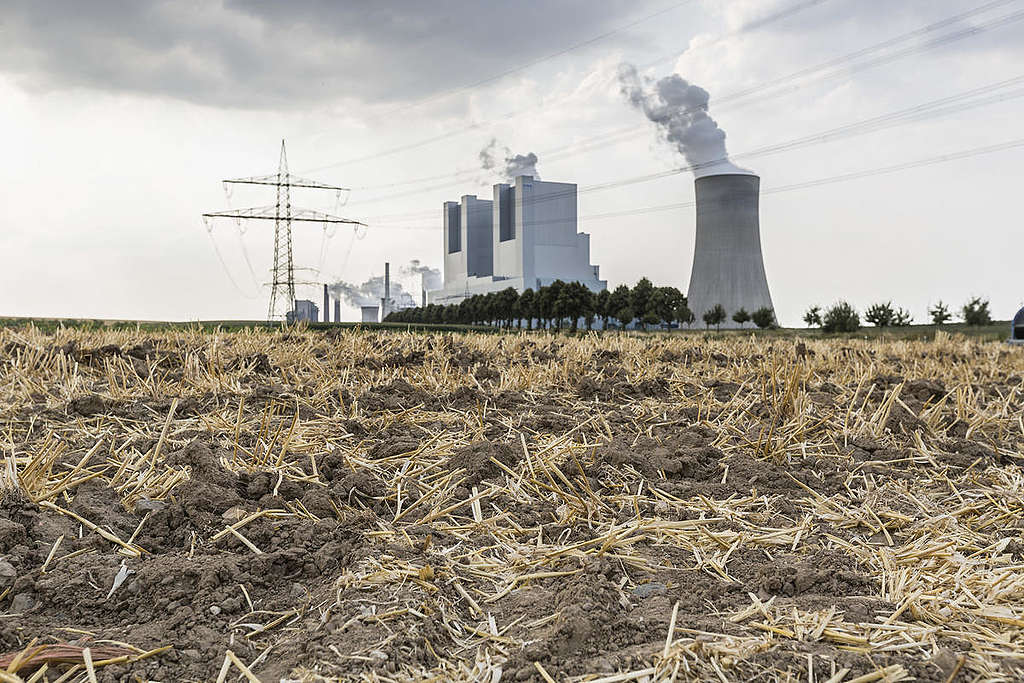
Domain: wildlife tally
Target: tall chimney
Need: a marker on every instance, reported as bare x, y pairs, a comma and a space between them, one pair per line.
728, 267
337, 310
327, 305
424, 305
386, 305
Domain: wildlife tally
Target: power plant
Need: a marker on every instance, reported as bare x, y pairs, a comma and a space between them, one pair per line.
526, 237
728, 268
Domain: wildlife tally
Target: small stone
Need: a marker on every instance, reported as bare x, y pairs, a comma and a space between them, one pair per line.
214, 610
234, 514
7, 574
646, 590
149, 505
22, 602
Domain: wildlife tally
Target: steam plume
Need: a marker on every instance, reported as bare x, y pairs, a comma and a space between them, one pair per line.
680, 110
430, 278
371, 292
509, 165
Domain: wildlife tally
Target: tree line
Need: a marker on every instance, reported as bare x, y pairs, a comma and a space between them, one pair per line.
566, 304
842, 317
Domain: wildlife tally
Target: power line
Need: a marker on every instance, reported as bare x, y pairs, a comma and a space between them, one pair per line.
942, 106
522, 67
740, 95
855, 175
782, 14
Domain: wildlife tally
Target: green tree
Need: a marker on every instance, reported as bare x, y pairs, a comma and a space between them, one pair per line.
975, 312
571, 303
714, 316
558, 302
587, 304
880, 315
683, 314
618, 302
813, 316
507, 300
625, 316
763, 317
901, 317
940, 313
840, 317
640, 297
545, 305
602, 308
525, 307
741, 316
662, 304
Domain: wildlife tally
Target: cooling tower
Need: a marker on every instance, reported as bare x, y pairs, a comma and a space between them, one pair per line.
728, 267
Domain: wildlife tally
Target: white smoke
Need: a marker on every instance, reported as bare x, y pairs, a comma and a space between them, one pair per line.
371, 292
509, 165
430, 278
680, 110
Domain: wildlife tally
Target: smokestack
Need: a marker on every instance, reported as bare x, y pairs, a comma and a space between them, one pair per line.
337, 310
728, 267
424, 297
327, 305
385, 304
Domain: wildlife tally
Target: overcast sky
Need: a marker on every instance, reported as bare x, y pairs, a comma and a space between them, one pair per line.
121, 117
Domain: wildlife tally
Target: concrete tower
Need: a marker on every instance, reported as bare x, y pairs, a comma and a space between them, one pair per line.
728, 267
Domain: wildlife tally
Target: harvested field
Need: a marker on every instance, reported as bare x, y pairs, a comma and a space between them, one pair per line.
188, 506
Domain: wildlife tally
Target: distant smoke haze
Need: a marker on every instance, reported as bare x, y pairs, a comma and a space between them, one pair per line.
495, 158
680, 110
371, 292
430, 278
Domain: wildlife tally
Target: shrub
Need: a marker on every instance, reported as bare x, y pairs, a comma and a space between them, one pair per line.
940, 313
975, 312
741, 316
684, 315
764, 318
880, 315
902, 317
714, 316
813, 316
840, 317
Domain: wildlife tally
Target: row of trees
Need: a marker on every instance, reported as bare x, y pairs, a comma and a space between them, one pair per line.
565, 304
842, 317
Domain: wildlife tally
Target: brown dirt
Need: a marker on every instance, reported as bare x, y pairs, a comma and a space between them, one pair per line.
659, 474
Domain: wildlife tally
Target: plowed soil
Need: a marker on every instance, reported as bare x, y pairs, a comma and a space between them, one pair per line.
398, 507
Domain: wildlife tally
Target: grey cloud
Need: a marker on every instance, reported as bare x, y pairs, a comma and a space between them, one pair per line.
680, 110
271, 54
371, 292
495, 158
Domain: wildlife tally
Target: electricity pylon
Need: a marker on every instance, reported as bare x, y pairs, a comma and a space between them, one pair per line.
283, 214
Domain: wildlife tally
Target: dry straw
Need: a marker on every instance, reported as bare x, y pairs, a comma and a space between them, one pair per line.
937, 537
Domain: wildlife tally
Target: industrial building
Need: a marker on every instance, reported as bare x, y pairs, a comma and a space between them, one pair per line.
526, 237
370, 313
304, 310
1017, 328
728, 267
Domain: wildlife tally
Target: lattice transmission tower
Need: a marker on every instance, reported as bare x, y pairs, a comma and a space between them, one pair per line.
283, 214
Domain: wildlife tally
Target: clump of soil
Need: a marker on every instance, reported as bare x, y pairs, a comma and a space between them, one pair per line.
476, 460
396, 395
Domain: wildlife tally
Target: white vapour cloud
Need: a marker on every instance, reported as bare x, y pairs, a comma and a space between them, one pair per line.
371, 292
493, 158
430, 278
680, 110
